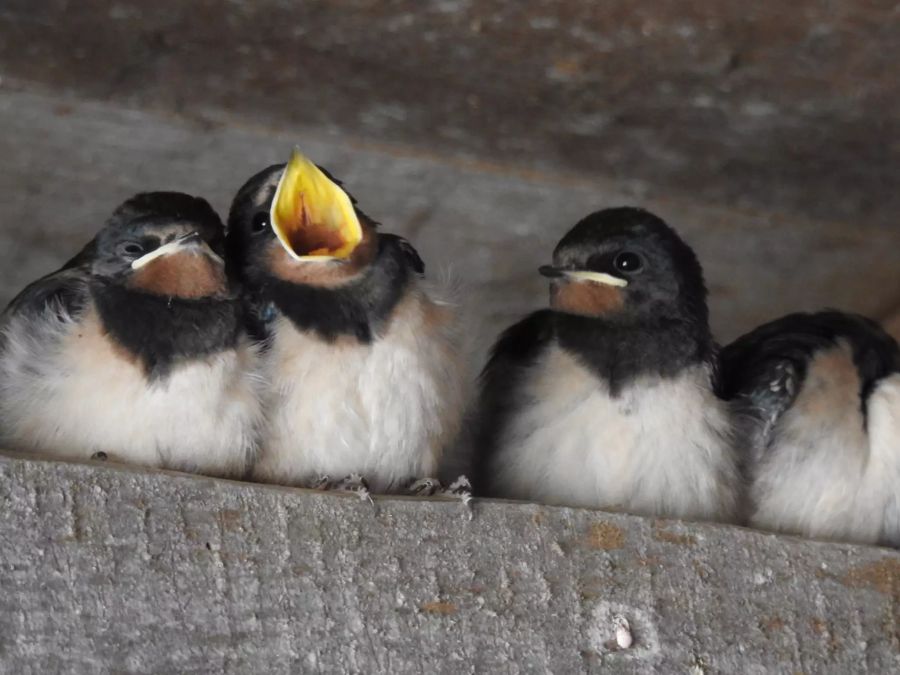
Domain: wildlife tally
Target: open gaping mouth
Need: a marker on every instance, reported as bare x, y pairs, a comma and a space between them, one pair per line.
311, 215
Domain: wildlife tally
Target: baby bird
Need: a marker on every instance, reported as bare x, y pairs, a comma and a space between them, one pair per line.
363, 365
607, 398
134, 349
819, 397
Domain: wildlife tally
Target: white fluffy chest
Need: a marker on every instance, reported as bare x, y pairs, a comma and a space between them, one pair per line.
883, 474
385, 410
830, 473
67, 390
660, 447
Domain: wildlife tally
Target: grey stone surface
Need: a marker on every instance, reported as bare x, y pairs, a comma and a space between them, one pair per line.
110, 569
66, 163
785, 106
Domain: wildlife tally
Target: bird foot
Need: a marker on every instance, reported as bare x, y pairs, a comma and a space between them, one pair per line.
355, 484
423, 487
783, 383
320, 482
461, 488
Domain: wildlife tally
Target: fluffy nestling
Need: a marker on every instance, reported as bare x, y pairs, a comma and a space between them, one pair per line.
606, 399
819, 401
362, 362
135, 349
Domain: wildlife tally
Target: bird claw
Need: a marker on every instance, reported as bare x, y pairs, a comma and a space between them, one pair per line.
320, 482
423, 487
355, 484
783, 383
461, 489
352, 484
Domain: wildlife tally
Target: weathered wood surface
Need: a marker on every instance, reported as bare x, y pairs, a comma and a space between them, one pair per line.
110, 569
66, 163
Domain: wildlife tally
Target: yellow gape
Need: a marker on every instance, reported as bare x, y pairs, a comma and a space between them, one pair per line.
311, 215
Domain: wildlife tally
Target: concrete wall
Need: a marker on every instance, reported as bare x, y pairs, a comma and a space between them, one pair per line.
105, 569
787, 106
65, 163
480, 129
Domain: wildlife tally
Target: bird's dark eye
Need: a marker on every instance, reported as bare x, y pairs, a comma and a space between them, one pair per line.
131, 249
260, 222
628, 262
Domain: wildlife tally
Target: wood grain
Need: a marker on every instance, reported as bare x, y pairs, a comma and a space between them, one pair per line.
106, 568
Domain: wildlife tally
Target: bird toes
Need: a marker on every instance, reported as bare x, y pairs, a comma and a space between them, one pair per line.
461, 488
423, 487
785, 376
320, 482
355, 484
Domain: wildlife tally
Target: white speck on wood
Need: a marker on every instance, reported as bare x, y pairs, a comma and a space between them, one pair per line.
623, 632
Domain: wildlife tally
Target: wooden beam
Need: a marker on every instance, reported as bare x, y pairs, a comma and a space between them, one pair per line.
106, 568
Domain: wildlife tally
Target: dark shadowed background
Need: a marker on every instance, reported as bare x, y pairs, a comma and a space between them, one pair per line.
766, 132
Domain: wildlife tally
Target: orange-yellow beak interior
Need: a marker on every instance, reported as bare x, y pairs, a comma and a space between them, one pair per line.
311, 215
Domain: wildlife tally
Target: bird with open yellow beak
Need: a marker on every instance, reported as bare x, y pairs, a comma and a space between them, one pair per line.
362, 362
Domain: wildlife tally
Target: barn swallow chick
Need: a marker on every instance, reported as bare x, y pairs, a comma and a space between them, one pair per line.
362, 363
607, 398
134, 349
819, 400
